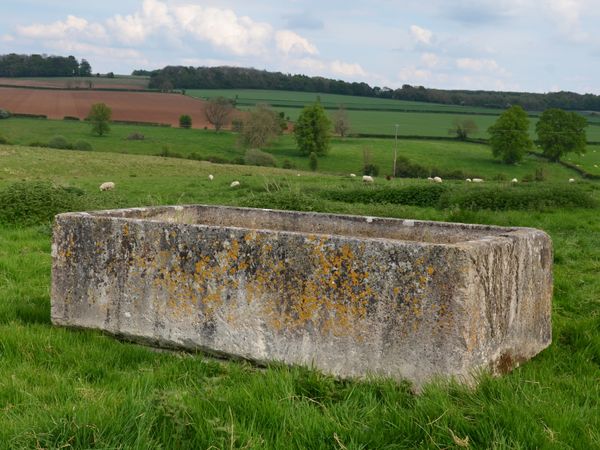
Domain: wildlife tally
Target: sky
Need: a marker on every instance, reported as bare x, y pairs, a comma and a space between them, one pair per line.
514, 45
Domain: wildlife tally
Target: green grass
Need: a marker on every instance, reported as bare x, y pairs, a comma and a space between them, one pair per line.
299, 99
346, 155
83, 389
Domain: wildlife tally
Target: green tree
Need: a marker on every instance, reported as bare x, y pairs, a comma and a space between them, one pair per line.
509, 135
260, 127
99, 117
561, 132
185, 121
313, 161
312, 130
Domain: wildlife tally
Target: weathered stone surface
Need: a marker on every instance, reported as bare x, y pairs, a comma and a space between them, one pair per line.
348, 295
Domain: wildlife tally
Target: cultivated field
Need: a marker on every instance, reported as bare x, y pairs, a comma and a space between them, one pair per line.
118, 82
130, 106
379, 116
82, 389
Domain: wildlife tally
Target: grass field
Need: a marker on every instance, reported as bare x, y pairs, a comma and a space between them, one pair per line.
346, 155
64, 388
379, 116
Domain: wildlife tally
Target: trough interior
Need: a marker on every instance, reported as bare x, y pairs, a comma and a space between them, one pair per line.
313, 223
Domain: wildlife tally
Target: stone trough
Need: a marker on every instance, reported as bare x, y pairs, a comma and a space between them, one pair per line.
349, 295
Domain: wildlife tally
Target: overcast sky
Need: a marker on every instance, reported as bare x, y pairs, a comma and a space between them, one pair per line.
525, 45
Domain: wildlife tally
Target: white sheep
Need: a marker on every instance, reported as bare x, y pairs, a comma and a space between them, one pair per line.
571, 180
437, 179
477, 180
210, 177
234, 184
514, 180
468, 180
368, 179
107, 186
429, 179
352, 175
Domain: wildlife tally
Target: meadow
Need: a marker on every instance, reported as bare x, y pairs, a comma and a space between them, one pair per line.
379, 116
346, 155
83, 389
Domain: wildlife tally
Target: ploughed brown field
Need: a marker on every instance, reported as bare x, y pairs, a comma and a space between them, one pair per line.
78, 83
130, 106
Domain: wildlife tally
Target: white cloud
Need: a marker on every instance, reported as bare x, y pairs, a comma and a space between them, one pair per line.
412, 74
478, 65
71, 28
347, 69
430, 60
7, 38
421, 35
289, 42
224, 29
95, 50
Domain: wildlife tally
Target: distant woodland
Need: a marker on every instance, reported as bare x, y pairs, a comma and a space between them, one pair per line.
13, 65
179, 77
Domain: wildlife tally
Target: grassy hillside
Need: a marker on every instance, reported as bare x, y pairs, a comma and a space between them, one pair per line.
83, 389
346, 155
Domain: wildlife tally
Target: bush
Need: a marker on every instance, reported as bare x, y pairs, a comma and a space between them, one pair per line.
38, 144
4, 114
29, 203
217, 159
371, 169
238, 160
522, 197
136, 137
287, 164
255, 157
59, 142
71, 118
82, 145
421, 195
237, 125
185, 121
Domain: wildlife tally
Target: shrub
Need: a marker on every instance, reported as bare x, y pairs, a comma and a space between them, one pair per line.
238, 160
71, 118
217, 159
255, 157
371, 169
287, 164
82, 145
135, 137
421, 195
237, 125
4, 114
59, 142
38, 144
29, 203
185, 121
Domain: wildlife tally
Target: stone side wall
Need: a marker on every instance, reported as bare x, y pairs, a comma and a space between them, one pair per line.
347, 305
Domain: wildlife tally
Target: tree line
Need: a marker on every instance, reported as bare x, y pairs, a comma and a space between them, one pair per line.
225, 77
14, 65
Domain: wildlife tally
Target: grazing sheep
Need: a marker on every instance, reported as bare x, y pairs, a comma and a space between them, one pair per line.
210, 177
514, 180
234, 184
468, 180
352, 175
477, 180
437, 179
368, 179
571, 180
107, 186
429, 179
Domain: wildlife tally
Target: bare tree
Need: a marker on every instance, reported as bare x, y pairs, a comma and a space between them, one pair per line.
217, 111
463, 128
341, 123
261, 126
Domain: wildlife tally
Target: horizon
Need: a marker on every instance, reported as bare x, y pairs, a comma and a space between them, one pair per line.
508, 46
